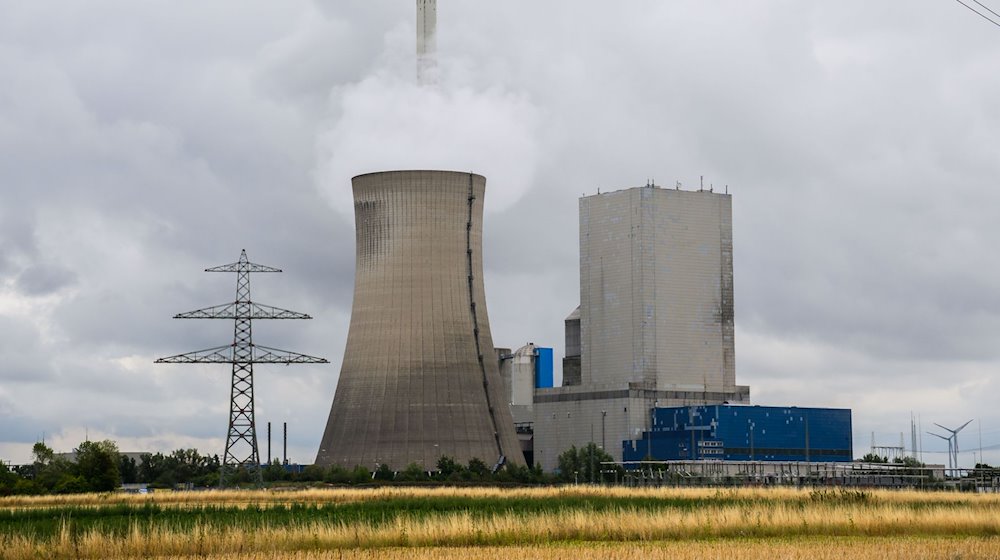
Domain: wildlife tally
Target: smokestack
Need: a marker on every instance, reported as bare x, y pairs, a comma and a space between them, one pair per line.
285, 452
269, 443
426, 42
420, 377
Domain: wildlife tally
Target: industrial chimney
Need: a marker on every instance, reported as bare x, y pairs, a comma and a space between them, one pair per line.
426, 42
420, 377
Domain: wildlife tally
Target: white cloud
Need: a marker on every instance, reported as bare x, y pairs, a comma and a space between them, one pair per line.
387, 121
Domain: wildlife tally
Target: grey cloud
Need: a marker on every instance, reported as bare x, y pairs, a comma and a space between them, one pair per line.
139, 145
44, 279
22, 355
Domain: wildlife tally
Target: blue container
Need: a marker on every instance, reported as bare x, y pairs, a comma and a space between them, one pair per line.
543, 368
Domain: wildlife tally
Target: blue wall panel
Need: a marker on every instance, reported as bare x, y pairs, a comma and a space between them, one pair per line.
745, 433
543, 368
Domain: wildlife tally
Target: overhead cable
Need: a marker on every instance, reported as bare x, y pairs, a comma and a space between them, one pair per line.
978, 13
986, 7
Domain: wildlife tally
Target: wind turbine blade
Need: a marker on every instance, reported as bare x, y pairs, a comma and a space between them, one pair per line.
963, 425
943, 428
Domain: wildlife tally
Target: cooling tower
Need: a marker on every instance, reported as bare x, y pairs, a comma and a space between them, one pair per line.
420, 377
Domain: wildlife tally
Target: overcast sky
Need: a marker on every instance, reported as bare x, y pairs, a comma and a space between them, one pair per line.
141, 142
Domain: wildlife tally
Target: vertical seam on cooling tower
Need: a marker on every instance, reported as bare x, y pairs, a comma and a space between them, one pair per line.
475, 318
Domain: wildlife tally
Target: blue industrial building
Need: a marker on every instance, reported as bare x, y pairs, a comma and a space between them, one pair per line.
744, 433
543, 368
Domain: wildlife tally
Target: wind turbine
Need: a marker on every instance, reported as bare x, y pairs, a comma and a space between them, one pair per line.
948, 439
953, 444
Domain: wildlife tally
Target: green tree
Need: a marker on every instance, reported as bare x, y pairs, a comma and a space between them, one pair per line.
71, 484
27, 487
383, 472
568, 465
337, 474
97, 464
312, 473
128, 469
479, 469
412, 473
208, 471
361, 475
908, 462
8, 480
873, 458
275, 471
151, 467
180, 466
515, 473
47, 471
448, 467
43, 454
583, 464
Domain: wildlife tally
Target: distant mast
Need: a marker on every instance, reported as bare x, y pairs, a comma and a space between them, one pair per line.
426, 42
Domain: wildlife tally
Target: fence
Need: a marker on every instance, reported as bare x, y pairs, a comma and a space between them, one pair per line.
797, 473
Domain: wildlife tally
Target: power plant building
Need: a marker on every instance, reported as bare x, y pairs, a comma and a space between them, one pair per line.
745, 433
655, 323
649, 367
420, 377
523, 371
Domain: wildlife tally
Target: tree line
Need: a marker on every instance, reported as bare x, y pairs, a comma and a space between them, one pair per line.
98, 466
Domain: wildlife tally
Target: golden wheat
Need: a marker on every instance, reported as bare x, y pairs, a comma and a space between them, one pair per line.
460, 530
729, 523
737, 549
812, 549
347, 495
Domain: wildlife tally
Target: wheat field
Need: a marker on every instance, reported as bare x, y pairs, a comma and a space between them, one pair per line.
344, 495
577, 522
830, 549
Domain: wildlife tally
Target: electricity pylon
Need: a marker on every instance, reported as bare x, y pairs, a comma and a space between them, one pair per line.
241, 441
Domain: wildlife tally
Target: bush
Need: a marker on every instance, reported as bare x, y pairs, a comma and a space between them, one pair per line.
8, 480
383, 472
337, 475
26, 487
312, 473
479, 469
448, 467
70, 484
412, 473
360, 475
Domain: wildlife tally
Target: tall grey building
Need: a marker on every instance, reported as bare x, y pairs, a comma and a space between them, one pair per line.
656, 289
655, 318
420, 377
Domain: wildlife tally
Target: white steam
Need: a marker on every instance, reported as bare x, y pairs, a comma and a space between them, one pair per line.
389, 123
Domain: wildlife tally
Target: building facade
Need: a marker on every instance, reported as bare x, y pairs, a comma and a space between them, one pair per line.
745, 433
655, 325
656, 289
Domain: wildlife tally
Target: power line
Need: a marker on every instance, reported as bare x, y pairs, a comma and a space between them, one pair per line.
986, 7
992, 447
978, 13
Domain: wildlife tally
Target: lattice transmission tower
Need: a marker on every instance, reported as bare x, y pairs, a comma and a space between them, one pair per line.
241, 440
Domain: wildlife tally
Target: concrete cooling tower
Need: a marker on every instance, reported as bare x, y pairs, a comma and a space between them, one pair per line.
420, 377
